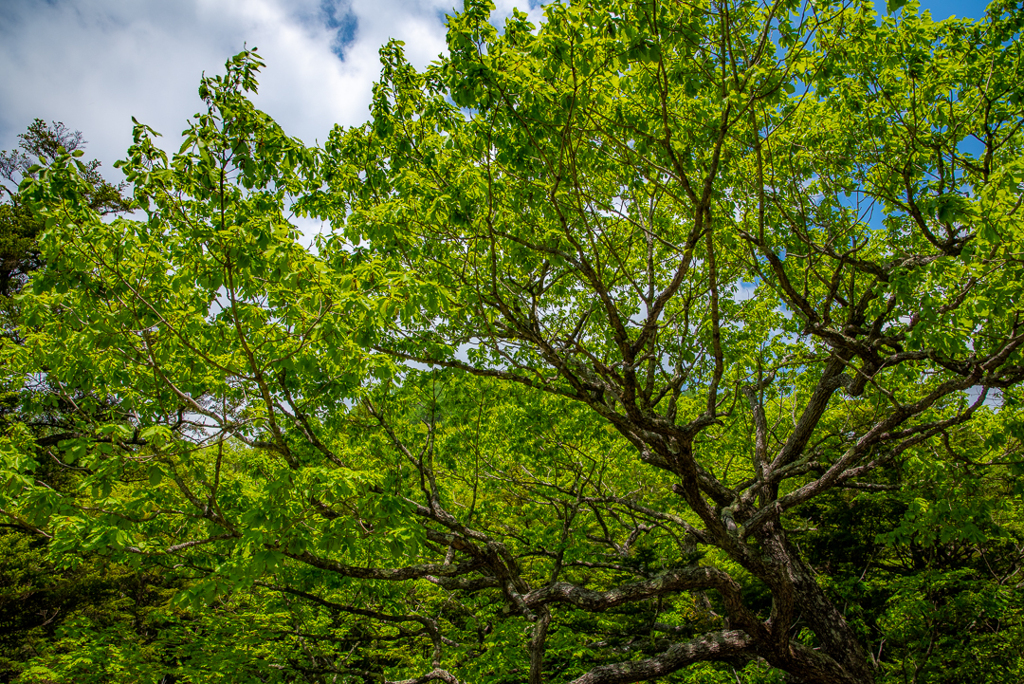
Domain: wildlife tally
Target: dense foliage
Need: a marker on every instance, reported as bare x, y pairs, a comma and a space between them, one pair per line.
663, 341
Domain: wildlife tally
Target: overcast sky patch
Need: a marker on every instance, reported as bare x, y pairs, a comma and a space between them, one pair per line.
94, 64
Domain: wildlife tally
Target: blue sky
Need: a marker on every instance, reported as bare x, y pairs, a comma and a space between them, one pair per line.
94, 64
942, 9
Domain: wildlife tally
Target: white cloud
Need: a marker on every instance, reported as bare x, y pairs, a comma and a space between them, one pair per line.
94, 64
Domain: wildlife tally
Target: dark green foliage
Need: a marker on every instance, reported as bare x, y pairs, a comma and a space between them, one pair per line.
45, 606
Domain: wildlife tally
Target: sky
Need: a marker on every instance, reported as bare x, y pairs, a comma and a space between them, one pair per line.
94, 64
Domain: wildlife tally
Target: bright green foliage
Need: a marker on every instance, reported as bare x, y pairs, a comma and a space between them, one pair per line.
674, 342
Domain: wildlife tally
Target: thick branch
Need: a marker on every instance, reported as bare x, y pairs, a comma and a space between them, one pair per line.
724, 645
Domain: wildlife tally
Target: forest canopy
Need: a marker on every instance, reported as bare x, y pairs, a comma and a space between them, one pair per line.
659, 342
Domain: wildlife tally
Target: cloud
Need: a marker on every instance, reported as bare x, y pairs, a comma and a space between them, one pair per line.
94, 64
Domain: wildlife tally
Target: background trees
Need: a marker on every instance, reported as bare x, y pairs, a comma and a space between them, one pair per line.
49, 604
40, 144
661, 342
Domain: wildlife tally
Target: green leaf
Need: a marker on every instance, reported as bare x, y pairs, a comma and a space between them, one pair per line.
892, 6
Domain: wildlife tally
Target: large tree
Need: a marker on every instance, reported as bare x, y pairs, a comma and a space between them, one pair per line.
608, 307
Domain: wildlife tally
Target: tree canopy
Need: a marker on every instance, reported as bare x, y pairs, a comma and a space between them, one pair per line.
660, 342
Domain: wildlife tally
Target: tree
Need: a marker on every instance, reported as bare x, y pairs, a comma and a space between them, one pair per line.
609, 310
18, 228
42, 596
